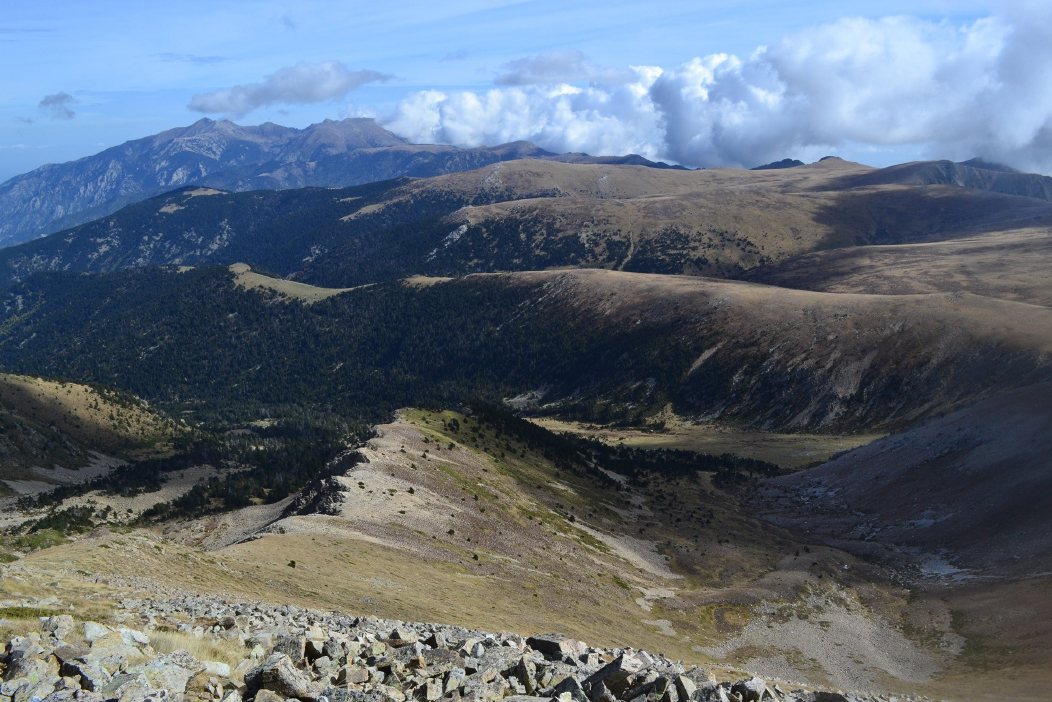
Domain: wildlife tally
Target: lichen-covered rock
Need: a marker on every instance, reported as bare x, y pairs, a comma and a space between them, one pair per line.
94, 630
170, 671
24, 647
750, 690
59, 626
91, 674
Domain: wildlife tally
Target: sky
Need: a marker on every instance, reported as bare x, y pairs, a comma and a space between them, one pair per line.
705, 84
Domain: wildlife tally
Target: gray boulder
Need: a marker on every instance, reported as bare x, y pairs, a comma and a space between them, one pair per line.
750, 690
572, 686
556, 646
38, 690
94, 630
59, 626
126, 687
24, 647
279, 675
616, 674
91, 674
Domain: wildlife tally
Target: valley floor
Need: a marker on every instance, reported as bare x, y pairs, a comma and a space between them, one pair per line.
787, 450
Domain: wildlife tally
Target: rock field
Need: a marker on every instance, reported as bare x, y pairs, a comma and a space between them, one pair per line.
288, 653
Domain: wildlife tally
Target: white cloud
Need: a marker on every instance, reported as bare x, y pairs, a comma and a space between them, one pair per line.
293, 85
558, 67
559, 118
983, 89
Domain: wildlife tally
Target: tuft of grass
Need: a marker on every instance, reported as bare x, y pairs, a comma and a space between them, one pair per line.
26, 612
205, 648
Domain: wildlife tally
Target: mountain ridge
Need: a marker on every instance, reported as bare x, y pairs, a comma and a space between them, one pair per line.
234, 157
528, 214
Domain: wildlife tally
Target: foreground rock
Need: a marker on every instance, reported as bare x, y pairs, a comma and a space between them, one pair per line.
285, 653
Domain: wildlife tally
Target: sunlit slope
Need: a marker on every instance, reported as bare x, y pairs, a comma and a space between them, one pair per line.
1011, 265
51, 428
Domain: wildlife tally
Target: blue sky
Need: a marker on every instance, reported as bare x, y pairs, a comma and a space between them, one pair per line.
131, 69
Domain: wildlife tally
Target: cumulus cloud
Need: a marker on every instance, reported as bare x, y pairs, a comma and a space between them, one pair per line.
558, 67
560, 118
57, 106
293, 85
981, 89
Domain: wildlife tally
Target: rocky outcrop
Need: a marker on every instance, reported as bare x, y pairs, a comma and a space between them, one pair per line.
290, 654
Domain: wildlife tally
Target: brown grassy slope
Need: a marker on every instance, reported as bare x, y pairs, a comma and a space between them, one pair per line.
786, 450
103, 421
733, 591
788, 359
245, 278
519, 178
674, 566
723, 231
49, 423
1010, 265
538, 215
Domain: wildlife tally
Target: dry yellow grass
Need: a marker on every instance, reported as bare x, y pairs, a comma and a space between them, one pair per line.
787, 450
1010, 265
245, 278
203, 648
86, 415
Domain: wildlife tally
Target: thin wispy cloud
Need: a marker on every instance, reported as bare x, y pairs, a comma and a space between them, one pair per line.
57, 106
559, 67
288, 23
195, 59
15, 31
14, 34
455, 56
302, 84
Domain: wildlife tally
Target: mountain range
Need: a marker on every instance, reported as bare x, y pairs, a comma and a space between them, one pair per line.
225, 155
531, 214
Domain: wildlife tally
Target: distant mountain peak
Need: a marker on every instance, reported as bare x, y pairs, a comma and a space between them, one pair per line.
985, 165
774, 165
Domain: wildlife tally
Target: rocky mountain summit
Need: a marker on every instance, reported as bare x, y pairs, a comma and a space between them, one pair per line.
288, 653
